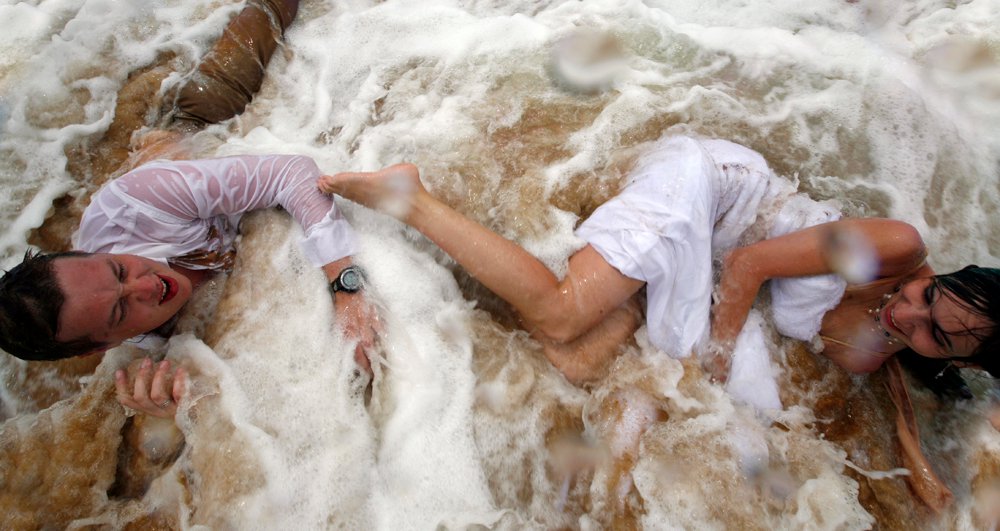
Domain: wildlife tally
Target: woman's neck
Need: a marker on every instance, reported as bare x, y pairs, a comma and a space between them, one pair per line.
852, 336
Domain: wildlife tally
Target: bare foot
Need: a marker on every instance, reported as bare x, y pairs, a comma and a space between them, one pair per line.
390, 190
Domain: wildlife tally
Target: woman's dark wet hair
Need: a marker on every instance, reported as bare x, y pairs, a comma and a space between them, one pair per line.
977, 289
30, 301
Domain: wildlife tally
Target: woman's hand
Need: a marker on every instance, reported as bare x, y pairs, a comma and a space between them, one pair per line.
155, 393
716, 361
390, 190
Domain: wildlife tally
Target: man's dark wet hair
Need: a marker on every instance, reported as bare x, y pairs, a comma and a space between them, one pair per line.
977, 289
30, 301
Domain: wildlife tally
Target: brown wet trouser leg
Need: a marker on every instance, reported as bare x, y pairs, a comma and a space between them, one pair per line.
227, 78
233, 69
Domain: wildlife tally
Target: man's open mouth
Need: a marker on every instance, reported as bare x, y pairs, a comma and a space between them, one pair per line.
169, 288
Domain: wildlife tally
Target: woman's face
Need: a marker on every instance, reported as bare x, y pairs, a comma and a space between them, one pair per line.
930, 322
113, 297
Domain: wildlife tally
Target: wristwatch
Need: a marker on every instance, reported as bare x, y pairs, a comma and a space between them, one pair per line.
349, 280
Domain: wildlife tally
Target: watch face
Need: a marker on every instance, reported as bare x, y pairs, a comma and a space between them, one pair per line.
350, 280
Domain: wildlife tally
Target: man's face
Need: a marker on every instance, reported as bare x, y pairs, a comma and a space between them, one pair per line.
113, 297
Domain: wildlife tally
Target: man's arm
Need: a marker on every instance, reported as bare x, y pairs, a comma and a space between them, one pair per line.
358, 318
181, 193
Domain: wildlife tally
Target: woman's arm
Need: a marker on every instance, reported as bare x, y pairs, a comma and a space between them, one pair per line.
897, 248
561, 310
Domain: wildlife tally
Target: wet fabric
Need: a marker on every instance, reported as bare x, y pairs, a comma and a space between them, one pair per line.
233, 70
179, 211
688, 200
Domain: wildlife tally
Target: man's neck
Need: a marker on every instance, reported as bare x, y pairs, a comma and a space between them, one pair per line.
196, 276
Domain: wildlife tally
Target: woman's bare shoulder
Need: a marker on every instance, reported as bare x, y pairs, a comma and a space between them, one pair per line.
898, 245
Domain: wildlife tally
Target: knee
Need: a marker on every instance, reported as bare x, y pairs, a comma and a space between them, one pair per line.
561, 331
561, 323
553, 321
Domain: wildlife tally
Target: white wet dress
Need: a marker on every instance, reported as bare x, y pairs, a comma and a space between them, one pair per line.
687, 200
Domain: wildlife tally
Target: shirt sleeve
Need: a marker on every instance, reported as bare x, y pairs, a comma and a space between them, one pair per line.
185, 191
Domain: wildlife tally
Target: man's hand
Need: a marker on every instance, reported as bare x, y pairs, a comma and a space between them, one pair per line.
360, 322
155, 393
357, 316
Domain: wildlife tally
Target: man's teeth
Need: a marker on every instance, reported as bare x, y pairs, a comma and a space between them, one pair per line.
166, 288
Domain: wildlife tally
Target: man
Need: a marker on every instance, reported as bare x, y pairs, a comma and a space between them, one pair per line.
148, 239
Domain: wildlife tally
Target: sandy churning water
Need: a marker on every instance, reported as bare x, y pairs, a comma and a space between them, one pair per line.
523, 115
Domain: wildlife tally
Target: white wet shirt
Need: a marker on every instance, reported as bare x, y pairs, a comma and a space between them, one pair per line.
169, 210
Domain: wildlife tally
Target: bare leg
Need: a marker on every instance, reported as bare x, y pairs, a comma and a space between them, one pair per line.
559, 309
587, 357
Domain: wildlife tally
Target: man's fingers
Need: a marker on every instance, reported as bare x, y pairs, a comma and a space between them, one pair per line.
334, 184
153, 392
121, 390
121, 383
158, 391
180, 384
375, 322
140, 388
367, 338
361, 358
325, 184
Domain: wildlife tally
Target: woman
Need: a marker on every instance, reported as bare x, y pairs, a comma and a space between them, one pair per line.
686, 200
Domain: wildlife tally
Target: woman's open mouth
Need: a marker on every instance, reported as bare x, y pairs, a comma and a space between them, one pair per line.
887, 318
169, 288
